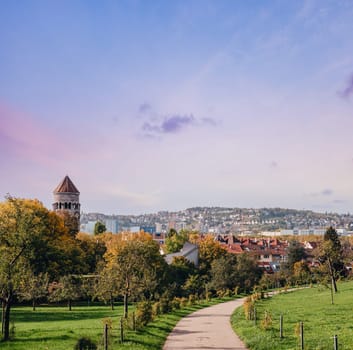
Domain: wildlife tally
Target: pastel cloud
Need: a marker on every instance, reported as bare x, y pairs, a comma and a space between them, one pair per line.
325, 192
348, 90
21, 134
174, 124
144, 108
24, 137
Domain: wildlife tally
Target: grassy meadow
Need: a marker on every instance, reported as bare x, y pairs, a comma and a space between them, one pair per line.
313, 307
56, 328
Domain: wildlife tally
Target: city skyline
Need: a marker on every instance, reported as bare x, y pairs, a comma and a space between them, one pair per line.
152, 106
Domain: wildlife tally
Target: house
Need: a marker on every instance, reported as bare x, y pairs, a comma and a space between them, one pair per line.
189, 251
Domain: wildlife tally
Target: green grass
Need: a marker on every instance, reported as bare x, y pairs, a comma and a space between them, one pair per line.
313, 307
55, 328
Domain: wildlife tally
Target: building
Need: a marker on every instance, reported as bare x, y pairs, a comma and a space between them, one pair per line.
189, 251
111, 225
67, 199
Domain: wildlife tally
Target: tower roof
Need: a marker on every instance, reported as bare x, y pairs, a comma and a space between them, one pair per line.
66, 186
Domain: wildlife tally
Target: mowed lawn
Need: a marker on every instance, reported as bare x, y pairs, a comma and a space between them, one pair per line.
313, 307
56, 328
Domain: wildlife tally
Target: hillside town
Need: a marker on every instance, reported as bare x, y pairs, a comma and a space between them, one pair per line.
217, 220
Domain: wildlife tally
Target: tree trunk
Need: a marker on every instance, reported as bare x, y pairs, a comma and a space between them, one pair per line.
6, 320
332, 275
69, 304
126, 305
2, 317
111, 301
33, 304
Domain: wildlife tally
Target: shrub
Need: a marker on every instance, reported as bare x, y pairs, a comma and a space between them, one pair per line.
227, 293
183, 302
249, 307
143, 313
176, 303
165, 305
192, 299
85, 344
266, 322
156, 309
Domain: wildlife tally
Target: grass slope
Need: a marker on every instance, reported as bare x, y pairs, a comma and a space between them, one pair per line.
55, 328
322, 320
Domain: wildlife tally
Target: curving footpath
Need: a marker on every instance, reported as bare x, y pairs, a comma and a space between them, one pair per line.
207, 328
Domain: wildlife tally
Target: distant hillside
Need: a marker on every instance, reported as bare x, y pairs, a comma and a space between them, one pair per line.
226, 220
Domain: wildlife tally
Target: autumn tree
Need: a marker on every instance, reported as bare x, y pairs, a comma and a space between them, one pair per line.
136, 264
209, 250
27, 232
33, 240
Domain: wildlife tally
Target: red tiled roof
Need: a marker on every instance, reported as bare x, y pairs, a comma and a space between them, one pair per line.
235, 248
66, 186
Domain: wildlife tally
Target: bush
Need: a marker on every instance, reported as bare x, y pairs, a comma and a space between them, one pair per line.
192, 299
143, 313
183, 302
156, 309
176, 303
266, 322
165, 305
220, 293
85, 344
227, 293
249, 307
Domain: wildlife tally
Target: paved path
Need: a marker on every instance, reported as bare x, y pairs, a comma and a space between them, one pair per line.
207, 328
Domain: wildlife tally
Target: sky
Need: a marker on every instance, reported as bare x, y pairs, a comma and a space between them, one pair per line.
167, 105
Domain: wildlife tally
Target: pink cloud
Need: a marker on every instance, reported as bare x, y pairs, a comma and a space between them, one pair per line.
22, 136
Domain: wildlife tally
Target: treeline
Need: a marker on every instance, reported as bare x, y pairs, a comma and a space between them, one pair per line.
44, 258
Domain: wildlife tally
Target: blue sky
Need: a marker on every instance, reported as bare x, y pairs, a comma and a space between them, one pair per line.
154, 105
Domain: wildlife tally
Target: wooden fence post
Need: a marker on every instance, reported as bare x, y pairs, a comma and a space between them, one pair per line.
301, 336
121, 330
133, 321
105, 336
335, 342
281, 326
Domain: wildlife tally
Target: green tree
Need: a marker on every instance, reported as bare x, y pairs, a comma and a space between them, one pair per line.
330, 254
223, 272
105, 287
248, 274
67, 289
179, 271
175, 241
99, 228
295, 253
33, 287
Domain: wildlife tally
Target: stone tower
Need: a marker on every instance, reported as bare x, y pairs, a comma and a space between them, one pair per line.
67, 198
